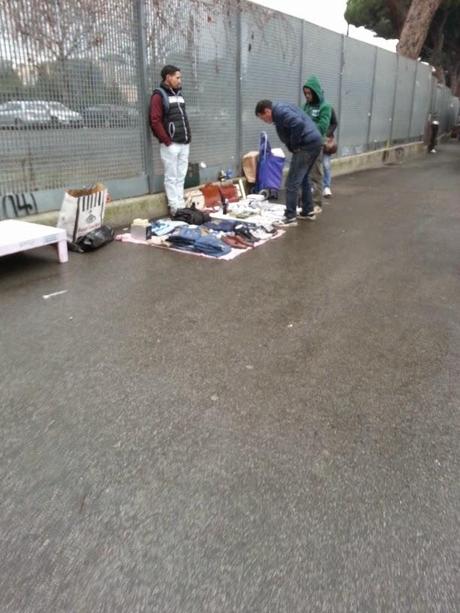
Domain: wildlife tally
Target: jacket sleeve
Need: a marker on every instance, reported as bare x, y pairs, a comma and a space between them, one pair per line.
156, 119
333, 125
324, 119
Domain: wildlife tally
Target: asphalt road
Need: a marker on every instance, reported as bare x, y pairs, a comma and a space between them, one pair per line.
273, 434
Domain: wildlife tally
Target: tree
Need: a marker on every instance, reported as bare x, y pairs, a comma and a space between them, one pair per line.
429, 29
416, 25
384, 18
57, 31
10, 83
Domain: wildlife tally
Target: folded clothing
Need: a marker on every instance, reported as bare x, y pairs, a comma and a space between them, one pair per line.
185, 237
221, 225
199, 240
161, 227
211, 245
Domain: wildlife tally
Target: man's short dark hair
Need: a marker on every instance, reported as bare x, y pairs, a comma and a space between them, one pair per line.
168, 69
262, 105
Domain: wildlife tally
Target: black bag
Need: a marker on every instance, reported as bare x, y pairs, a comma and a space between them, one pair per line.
192, 215
96, 238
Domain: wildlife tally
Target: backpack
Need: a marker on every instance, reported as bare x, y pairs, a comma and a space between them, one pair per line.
192, 216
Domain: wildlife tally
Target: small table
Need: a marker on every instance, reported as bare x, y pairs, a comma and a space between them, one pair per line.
22, 235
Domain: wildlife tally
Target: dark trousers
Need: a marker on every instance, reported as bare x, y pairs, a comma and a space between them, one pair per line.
301, 164
433, 136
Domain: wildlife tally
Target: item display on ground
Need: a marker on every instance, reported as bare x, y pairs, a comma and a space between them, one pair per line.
223, 231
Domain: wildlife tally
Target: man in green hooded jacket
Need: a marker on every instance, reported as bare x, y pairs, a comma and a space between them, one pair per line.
320, 111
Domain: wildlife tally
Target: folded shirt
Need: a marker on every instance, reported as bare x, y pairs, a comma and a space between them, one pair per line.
161, 227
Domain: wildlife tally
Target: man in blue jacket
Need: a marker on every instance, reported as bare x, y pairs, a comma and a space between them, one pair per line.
300, 135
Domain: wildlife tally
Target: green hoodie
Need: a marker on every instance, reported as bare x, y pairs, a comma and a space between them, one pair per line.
319, 110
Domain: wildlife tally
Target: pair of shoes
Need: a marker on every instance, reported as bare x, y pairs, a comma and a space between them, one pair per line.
244, 232
317, 210
327, 192
311, 216
236, 242
286, 221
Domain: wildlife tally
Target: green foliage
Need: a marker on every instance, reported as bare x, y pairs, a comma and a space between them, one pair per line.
373, 15
386, 17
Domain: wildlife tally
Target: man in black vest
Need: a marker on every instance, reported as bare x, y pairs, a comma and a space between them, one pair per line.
169, 123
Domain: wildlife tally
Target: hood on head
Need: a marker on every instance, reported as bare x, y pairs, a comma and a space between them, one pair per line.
315, 86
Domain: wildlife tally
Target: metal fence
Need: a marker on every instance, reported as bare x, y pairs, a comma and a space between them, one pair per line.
76, 78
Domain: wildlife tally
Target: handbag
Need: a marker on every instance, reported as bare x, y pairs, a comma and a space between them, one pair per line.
330, 145
229, 191
211, 194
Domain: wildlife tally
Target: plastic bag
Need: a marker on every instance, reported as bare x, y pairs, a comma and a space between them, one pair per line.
95, 239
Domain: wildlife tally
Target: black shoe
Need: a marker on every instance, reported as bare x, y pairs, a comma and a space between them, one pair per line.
245, 233
286, 221
308, 216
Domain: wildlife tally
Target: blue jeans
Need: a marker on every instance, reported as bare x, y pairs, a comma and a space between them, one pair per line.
297, 178
326, 170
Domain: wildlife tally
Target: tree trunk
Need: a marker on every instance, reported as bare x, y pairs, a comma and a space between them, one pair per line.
439, 73
397, 11
416, 27
455, 80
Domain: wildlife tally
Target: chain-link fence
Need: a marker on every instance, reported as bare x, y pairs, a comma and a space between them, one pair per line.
76, 78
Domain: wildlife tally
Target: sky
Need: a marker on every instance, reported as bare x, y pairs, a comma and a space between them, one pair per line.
328, 14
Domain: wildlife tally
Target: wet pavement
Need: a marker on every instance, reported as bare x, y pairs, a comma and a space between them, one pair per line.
278, 433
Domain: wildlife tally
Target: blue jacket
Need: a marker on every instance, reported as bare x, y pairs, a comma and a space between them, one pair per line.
295, 129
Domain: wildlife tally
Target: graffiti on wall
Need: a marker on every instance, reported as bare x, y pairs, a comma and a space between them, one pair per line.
18, 205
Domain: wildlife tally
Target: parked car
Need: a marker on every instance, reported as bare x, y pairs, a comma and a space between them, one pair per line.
110, 116
22, 113
61, 115
37, 114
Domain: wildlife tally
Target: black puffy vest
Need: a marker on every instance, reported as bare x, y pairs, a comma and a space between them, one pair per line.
175, 118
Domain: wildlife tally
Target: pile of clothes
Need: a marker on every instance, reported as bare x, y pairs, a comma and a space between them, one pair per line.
213, 238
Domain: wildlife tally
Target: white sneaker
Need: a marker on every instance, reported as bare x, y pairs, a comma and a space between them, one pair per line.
317, 210
327, 192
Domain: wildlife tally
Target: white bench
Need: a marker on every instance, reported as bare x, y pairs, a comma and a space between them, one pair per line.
22, 235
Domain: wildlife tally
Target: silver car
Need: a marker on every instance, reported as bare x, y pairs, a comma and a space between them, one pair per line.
60, 115
22, 113
38, 114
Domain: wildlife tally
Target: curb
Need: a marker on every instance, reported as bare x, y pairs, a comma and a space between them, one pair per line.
378, 159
